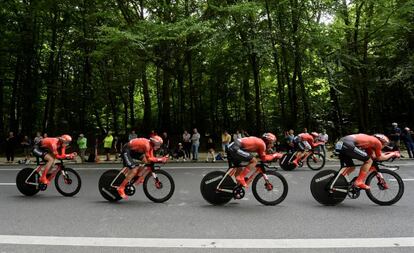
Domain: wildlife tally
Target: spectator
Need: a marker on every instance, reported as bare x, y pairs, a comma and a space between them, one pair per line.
408, 141
290, 136
82, 144
10, 147
132, 135
395, 136
210, 149
36, 141
195, 142
225, 141
165, 144
27, 148
237, 135
116, 147
152, 133
305, 130
323, 137
187, 143
244, 133
44, 135
179, 152
108, 145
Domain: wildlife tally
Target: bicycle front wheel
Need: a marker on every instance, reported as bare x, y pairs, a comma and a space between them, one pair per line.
386, 186
68, 182
270, 191
315, 161
159, 188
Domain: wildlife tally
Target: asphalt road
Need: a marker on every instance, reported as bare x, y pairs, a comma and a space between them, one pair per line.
187, 215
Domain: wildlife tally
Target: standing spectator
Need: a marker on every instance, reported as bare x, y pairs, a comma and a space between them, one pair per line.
10, 147
244, 133
187, 143
290, 136
116, 147
305, 129
408, 141
210, 149
36, 141
82, 144
195, 142
27, 148
45, 135
165, 144
132, 135
323, 137
225, 141
237, 135
395, 136
108, 145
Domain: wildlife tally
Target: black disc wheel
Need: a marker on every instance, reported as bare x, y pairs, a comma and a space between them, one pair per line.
68, 182
160, 188
321, 183
27, 181
316, 161
386, 187
285, 162
208, 188
270, 191
107, 191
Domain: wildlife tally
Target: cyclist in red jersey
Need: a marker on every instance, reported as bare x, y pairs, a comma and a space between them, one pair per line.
51, 149
303, 143
140, 149
238, 151
364, 148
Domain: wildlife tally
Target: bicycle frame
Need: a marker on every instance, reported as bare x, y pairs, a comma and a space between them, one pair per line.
374, 169
55, 169
144, 170
231, 172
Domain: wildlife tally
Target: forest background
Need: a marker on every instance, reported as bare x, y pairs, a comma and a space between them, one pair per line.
73, 66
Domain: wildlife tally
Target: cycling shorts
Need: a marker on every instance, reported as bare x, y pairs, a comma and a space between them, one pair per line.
128, 156
40, 152
348, 151
236, 155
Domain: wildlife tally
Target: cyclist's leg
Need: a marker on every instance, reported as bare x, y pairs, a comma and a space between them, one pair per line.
361, 155
242, 173
50, 160
129, 163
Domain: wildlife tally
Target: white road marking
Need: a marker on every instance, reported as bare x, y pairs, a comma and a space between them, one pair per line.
209, 243
7, 184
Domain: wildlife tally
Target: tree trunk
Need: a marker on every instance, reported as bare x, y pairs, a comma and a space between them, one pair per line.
147, 99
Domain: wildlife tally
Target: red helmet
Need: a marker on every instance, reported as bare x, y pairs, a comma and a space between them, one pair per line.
268, 138
315, 134
382, 138
156, 141
66, 139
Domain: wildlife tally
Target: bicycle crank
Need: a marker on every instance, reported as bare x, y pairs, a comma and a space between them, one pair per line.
354, 192
130, 189
238, 192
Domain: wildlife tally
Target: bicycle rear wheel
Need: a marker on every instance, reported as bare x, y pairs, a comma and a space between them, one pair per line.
107, 191
315, 161
321, 183
285, 162
208, 188
29, 187
160, 188
68, 182
385, 190
272, 191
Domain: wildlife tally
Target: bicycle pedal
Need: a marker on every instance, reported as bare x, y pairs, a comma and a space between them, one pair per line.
42, 186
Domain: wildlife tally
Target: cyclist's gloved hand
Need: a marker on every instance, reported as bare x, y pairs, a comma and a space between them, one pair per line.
277, 156
162, 159
397, 154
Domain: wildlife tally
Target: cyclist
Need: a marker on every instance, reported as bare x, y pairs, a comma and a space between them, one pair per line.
51, 149
238, 151
303, 143
364, 148
140, 149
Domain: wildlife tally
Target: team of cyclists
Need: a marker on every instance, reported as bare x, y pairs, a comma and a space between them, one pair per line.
362, 147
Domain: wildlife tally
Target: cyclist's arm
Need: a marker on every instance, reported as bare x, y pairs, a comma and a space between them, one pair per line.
149, 156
